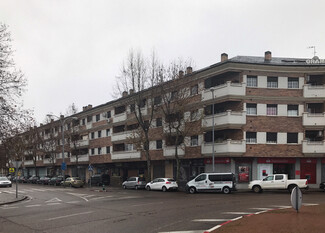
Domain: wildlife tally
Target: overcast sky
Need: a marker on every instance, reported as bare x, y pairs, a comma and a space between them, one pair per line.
71, 51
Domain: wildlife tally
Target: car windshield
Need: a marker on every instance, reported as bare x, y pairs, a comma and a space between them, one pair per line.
3, 178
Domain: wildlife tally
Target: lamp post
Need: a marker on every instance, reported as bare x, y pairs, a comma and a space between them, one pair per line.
212, 92
62, 121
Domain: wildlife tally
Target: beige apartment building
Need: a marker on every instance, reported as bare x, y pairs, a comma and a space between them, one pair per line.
267, 114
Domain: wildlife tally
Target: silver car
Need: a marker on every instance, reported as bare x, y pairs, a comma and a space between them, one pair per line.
134, 182
4, 182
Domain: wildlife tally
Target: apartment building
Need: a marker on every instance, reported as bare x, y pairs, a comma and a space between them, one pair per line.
260, 115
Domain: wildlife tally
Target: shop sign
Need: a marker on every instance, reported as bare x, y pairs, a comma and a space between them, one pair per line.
217, 160
312, 161
276, 160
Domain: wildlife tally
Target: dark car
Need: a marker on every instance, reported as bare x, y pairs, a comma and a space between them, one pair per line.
33, 179
322, 186
100, 179
56, 180
44, 180
22, 179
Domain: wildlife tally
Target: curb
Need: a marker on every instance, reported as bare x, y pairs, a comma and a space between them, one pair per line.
15, 201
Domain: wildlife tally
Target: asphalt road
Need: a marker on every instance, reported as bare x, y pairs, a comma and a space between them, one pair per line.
57, 209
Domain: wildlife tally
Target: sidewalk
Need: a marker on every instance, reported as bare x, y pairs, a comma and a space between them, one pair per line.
9, 198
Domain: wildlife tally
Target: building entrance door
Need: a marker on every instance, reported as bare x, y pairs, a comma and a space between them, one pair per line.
308, 171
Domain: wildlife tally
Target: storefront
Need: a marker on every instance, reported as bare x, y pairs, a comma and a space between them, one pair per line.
243, 169
269, 166
220, 165
308, 170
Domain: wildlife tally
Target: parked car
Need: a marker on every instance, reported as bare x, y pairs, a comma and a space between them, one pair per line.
212, 182
75, 182
163, 184
33, 179
22, 179
322, 186
56, 180
5, 182
278, 181
44, 180
100, 179
134, 182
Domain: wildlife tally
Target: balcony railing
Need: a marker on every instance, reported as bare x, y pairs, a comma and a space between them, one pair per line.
169, 151
28, 162
309, 147
49, 161
229, 88
81, 158
230, 147
126, 155
121, 136
226, 118
81, 143
120, 117
311, 91
313, 119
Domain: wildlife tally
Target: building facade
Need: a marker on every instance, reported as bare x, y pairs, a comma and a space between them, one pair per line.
260, 115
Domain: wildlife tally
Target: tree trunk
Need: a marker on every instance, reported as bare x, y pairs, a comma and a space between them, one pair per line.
178, 165
146, 148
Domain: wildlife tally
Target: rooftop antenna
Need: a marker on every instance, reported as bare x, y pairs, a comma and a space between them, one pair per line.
312, 47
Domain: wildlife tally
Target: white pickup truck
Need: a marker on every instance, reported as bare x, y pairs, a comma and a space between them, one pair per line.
278, 181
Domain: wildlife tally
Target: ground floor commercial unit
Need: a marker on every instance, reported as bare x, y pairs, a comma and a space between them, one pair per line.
245, 169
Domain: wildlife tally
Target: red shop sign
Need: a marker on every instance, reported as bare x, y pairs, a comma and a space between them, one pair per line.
313, 161
276, 160
216, 160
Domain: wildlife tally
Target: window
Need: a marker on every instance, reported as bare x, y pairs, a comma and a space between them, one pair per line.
108, 150
97, 117
108, 132
99, 133
99, 150
292, 137
119, 109
271, 109
251, 81
278, 177
158, 122
173, 95
272, 82
251, 137
128, 147
83, 121
92, 135
89, 119
132, 107
200, 178
194, 115
157, 100
293, 82
159, 144
251, 109
292, 110
92, 151
194, 89
108, 114
194, 140
271, 137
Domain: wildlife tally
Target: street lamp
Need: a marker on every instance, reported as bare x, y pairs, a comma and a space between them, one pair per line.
212, 92
62, 121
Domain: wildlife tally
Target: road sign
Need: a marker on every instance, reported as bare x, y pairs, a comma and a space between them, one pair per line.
90, 168
11, 170
63, 166
296, 198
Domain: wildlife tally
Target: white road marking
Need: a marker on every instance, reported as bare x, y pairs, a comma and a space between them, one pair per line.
54, 203
9, 207
89, 196
199, 231
239, 213
72, 202
282, 206
40, 190
210, 220
261, 208
54, 200
28, 206
96, 198
70, 215
152, 203
309, 204
79, 195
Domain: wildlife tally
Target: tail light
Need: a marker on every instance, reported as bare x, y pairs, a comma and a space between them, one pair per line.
168, 182
306, 182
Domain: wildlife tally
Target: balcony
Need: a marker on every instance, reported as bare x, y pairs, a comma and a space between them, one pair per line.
121, 136
226, 118
126, 155
169, 151
315, 147
313, 119
227, 89
81, 158
49, 161
229, 147
312, 91
28, 162
120, 117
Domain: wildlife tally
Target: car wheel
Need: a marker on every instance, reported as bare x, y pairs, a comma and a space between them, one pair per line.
257, 189
136, 187
148, 188
124, 186
192, 190
164, 189
70, 185
226, 190
291, 187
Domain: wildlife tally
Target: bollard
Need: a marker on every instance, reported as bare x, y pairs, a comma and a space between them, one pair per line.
104, 189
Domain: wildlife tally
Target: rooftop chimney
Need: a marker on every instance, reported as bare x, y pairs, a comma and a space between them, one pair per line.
181, 74
89, 106
131, 91
124, 94
189, 70
224, 57
268, 56
84, 108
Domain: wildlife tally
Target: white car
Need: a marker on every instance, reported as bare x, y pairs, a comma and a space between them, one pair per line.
4, 182
163, 184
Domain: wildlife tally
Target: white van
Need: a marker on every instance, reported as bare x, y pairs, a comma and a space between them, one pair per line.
215, 182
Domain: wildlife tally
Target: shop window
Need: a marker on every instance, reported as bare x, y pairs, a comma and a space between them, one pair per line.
244, 172
251, 109
251, 81
272, 82
292, 110
292, 137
